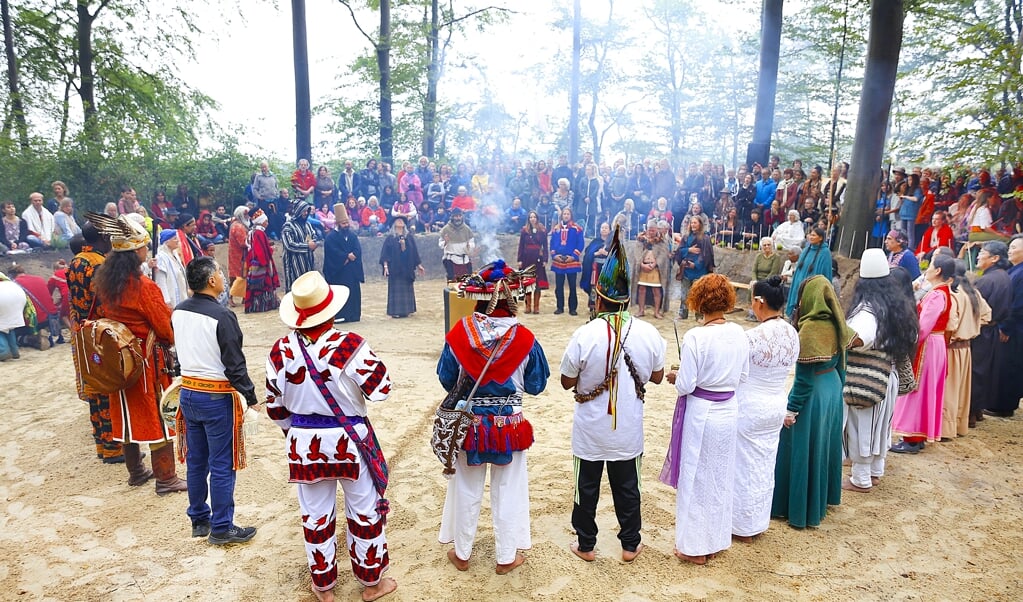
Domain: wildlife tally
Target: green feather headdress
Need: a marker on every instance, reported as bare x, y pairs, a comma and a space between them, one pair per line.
613, 281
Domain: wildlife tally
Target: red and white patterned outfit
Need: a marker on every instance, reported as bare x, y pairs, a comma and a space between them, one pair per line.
318, 457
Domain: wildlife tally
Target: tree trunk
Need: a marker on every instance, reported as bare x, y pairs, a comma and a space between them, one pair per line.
573, 111
384, 65
838, 87
883, 48
86, 87
13, 87
432, 78
767, 83
303, 110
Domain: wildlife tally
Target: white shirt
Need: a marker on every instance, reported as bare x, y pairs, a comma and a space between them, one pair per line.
39, 222
12, 305
585, 359
714, 358
789, 234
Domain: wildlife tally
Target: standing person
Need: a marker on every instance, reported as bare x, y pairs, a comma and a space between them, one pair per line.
519, 366
399, 258
1011, 335
82, 298
342, 264
458, 245
298, 238
607, 362
969, 313
695, 258
995, 287
815, 260
303, 181
170, 272
533, 251
700, 462
126, 296
325, 409
566, 247
774, 347
261, 279
884, 319
238, 238
264, 187
214, 379
899, 253
593, 261
917, 416
653, 272
808, 472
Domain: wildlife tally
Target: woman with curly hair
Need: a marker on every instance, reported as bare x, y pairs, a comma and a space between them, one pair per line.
128, 297
883, 316
714, 359
808, 471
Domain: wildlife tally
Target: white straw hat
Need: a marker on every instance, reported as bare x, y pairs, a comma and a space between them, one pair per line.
874, 264
312, 301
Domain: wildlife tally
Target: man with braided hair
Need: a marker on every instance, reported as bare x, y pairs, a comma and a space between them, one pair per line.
607, 362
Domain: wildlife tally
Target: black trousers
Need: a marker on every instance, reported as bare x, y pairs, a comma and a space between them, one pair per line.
623, 476
559, 291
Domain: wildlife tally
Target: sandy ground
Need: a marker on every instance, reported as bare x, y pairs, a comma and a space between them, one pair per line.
942, 525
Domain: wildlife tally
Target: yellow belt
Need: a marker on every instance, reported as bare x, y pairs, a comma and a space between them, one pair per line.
206, 385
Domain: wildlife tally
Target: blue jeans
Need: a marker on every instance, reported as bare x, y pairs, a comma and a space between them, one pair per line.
209, 435
8, 345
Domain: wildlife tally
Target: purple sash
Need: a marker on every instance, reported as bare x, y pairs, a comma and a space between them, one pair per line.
673, 461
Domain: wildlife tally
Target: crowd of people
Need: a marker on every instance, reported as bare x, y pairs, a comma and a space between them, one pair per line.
924, 351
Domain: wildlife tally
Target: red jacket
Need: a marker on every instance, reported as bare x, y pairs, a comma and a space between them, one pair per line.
945, 239
35, 288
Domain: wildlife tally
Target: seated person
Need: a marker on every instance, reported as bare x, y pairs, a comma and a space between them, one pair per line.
515, 217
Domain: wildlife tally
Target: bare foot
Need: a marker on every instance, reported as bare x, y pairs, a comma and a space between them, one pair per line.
327, 596
504, 569
658, 315
386, 586
743, 538
628, 556
875, 480
847, 485
462, 565
693, 559
587, 556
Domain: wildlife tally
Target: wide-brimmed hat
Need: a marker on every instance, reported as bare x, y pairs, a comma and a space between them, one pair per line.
874, 264
312, 301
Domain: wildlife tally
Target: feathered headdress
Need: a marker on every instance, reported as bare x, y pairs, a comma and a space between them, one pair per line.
613, 281
497, 281
125, 235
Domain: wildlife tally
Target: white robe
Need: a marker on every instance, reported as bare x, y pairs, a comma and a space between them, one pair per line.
774, 347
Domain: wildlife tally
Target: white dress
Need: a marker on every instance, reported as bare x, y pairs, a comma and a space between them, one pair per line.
774, 347
714, 358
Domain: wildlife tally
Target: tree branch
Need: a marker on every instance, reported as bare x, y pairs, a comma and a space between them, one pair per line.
472, 14
347, 4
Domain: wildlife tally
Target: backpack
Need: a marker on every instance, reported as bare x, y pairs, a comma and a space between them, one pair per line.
110, 357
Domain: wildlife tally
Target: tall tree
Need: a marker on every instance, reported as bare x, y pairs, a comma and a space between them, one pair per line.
767, 84
573, 95
303, 111
883, 49
17, 114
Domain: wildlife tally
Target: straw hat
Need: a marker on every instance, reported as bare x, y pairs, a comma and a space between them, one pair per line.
312, 301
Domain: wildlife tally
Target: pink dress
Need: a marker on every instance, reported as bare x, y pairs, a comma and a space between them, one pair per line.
918, 414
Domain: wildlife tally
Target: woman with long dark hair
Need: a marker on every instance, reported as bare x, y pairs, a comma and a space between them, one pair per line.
917, 416
126, 296
813, 261
969, 312
883, 316
695, 258
995, 286
399, 258
533, 251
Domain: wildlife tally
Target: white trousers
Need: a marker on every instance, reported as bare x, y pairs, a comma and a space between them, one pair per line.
366, 542
509, 507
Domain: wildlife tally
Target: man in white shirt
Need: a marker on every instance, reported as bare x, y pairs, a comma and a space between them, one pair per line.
39, 221
607, 362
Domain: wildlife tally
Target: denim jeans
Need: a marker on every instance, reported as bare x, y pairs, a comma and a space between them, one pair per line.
8, 345
209, 435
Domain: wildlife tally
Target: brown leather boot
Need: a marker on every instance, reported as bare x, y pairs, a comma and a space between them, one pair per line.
167, 480
138, 474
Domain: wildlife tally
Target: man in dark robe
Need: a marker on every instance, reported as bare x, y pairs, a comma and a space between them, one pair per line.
996, 288
342, 264
1010, 332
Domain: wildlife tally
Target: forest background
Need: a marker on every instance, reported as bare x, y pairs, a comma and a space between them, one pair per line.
105, 92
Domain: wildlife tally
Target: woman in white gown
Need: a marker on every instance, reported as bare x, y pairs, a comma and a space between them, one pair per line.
774, 347
701, 455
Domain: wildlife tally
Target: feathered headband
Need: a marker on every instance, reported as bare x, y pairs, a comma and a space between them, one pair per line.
613, 281
125, 235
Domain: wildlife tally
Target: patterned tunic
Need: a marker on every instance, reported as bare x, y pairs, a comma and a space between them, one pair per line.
298, 257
